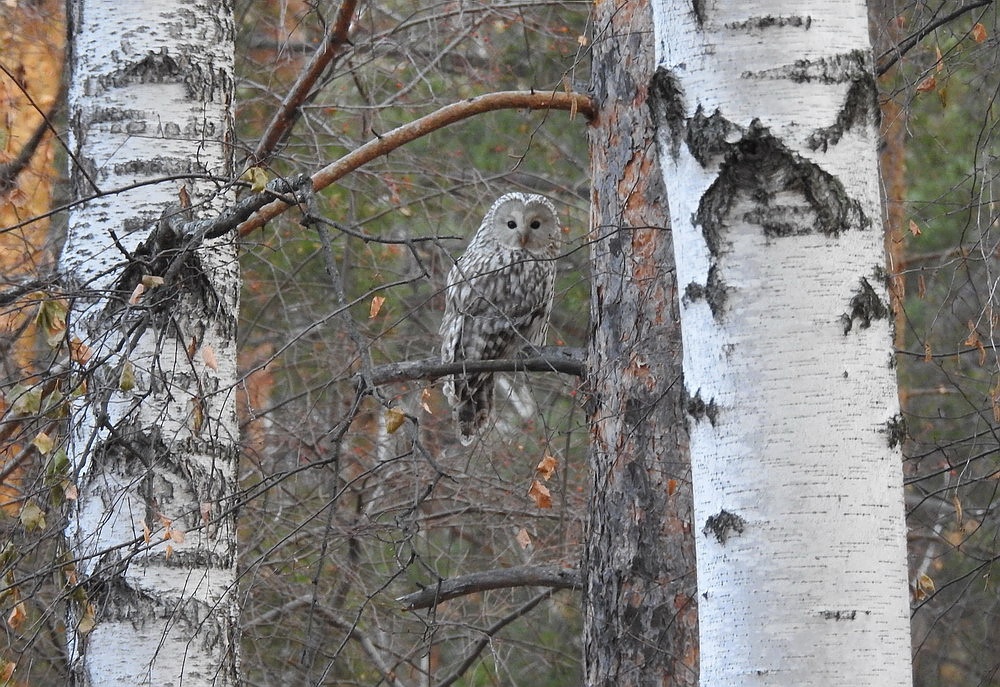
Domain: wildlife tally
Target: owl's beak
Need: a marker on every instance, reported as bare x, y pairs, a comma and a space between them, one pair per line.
523, 238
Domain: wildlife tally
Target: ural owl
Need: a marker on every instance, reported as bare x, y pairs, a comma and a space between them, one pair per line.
498, 299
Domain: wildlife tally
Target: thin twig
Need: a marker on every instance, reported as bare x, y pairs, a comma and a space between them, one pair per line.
894, 54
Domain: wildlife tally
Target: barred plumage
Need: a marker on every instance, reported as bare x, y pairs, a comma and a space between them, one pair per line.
498, 299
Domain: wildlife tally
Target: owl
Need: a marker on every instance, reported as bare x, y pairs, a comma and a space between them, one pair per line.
497, 299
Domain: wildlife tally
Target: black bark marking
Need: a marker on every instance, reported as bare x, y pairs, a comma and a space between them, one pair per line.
865, 306
770, 22
666, 107
714, 291
723, 524
759, 167
839, 615
698, 10
706, 136
698, 409
843, 68
895, 430
860, 108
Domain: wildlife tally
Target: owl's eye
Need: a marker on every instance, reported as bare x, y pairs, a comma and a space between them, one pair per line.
511, 224
535, 224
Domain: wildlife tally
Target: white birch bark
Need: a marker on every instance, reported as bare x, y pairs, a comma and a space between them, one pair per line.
153, 531
767, 127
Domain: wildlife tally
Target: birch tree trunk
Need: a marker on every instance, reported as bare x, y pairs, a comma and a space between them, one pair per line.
767, 125
639, 603
154, 436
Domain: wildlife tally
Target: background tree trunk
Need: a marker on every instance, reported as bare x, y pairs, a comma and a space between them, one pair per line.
769, 122
639, 604
154, 437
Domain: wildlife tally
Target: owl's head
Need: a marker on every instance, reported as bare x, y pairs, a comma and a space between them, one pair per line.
523, 220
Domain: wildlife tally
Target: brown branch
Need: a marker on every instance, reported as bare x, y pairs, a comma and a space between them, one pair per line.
303, 90
548, 359
473, 583
449, 114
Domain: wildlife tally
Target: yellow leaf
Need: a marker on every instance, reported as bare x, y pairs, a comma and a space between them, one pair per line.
978, 33
32, 517
43, 442
257, 178
925, 583
547, 467
394, 419
958, 509
51, 319
939, 65
208, 355
376, 305
126, 380
541, 495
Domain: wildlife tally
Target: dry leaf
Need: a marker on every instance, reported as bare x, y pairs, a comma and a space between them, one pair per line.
69, 491
958, 509
88, 621
51, 318
939, 65
136, 294
257, 178
523, 538
43, 442
394, 419
206, 512
17, 616
928, 84
925, 583
126, 380
208, 355
671, 487
146, 532
927, 352
914, 229
6, 670
541, 495
547, 467
32, 517
151, 281
79, 352
376, 305
169, 551
978, 33
425, 401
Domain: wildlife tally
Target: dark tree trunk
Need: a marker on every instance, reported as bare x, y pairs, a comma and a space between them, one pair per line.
641, 616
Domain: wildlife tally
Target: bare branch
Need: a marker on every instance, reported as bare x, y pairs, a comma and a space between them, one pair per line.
303, 90
473, 583
449, 114
562, 359
894, 54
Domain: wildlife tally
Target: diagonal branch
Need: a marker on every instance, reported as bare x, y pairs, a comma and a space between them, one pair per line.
894, 54
449, 114
504, 578
304, 88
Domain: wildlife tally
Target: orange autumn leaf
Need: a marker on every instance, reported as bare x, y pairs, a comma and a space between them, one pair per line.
541, 495
915, 228
928, 84
671, 487
17, 616
547, 467
978, 33
376, 306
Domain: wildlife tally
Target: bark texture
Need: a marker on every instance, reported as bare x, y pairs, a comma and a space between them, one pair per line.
768, 121
154, 436
639, 604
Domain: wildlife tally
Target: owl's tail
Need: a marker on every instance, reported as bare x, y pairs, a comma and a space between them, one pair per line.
472, 397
